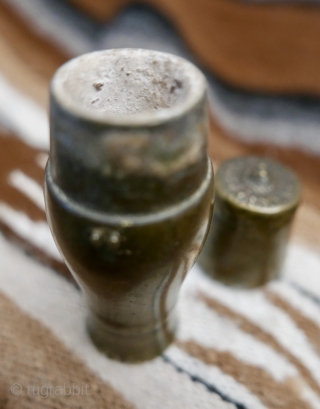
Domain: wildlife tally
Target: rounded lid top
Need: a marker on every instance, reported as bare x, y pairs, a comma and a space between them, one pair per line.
258, 184
128, 87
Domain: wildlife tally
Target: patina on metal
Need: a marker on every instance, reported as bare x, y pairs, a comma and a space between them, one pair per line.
129, 190
256, 199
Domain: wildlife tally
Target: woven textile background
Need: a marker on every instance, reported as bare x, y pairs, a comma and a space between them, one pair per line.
235, 348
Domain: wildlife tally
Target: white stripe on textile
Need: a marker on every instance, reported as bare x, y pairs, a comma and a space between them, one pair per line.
214, 376
36, 233
293, 129
205, 326
302, 266
303, 304
59, 306
22, 116
54, 23
254, 306
28, 187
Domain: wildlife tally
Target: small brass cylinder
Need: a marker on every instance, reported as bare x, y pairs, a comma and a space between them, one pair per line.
129, 189
255, 202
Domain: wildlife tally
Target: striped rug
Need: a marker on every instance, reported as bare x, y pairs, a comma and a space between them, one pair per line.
234, 348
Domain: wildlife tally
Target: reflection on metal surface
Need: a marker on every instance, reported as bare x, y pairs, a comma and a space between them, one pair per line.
129, 193
256, 199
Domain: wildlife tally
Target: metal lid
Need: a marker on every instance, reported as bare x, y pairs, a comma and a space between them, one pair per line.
258, 184
128, 130
128, 87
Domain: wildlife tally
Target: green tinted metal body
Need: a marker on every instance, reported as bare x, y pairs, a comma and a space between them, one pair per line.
256, 199
129, 197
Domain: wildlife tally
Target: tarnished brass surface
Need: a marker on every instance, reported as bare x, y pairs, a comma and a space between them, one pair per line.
255, 202
129, 190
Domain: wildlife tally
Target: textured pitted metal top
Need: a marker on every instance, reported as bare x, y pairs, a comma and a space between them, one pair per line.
258, 184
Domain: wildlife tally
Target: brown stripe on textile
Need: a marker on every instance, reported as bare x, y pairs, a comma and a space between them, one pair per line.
222, 147
33, 357
273, 394
310, 328
100, 9
21, 75
36, 51
35, 252
258, 46
18, 201
254, 45
250, 328
16, 155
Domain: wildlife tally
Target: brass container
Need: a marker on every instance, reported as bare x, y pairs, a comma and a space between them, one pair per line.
255, 202
129, 190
